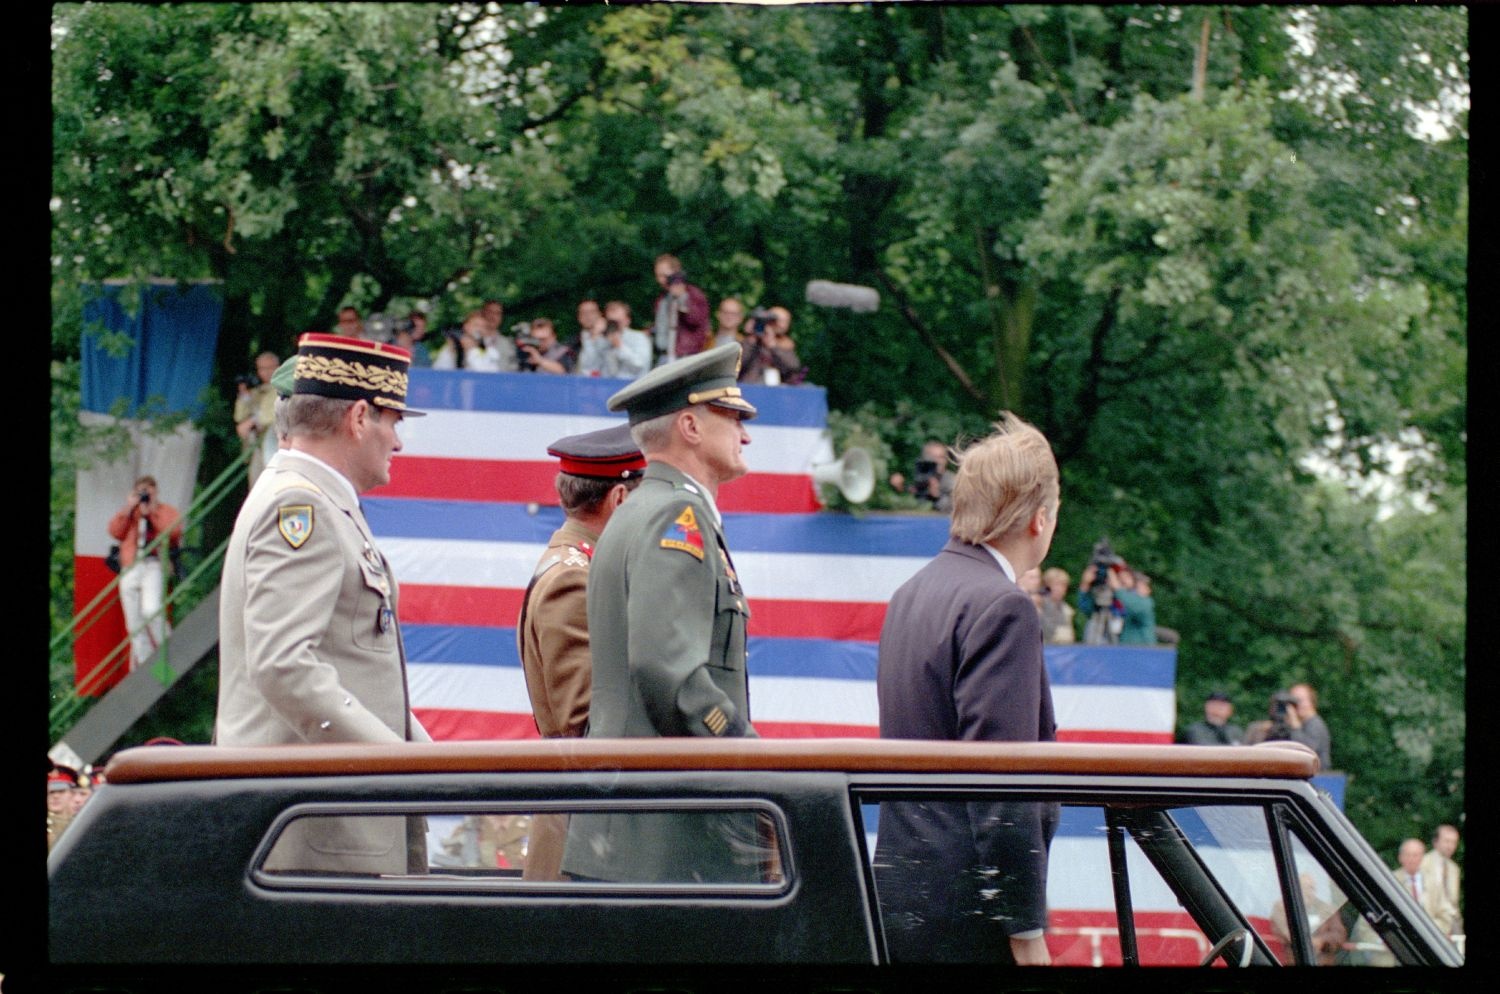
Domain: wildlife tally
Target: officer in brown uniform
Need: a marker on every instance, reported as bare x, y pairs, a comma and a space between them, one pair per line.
60, 783
598, 471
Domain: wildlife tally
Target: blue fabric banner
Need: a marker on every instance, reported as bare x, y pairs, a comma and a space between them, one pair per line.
157, 353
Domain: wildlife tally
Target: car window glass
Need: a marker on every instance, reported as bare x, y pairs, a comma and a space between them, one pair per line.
1339, 934
1234, 842
935, 907
577, 846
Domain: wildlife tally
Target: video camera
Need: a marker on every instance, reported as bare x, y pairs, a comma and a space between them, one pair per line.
1103, 559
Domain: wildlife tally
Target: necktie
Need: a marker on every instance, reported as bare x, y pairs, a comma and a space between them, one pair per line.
1412, 883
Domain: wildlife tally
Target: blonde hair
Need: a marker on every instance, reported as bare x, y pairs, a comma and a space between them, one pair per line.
1056, 576
1002, 481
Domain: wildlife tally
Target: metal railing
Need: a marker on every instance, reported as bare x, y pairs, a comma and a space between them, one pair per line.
185, 595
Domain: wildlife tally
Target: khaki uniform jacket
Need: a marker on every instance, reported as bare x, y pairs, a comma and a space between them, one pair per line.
1441, 876
310, 649
667, 619
554, 638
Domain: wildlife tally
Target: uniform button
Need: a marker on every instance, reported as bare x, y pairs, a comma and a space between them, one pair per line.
348, 702
325, 725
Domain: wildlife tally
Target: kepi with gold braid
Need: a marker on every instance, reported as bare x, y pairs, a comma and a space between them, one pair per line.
353, 369
706, 378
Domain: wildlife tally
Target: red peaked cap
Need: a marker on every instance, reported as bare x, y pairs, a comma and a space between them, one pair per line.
607, 454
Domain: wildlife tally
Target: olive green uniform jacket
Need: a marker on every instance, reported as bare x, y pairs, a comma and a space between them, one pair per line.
667, 620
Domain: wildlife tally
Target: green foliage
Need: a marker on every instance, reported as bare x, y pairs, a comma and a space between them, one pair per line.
1234, 313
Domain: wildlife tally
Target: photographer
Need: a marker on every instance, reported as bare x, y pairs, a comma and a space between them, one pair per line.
476, 347
608, 345
769, 355
1294, 717
931, 479
1116, 600
254, 411
541, 352
409, 334
135, 526
681, 327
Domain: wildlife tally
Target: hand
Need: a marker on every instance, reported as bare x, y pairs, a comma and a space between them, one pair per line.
898, 481
1087, 580
245, 429
1030, 952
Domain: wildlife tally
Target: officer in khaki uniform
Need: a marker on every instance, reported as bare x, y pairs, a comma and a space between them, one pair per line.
598, 470
309, 646
667, 619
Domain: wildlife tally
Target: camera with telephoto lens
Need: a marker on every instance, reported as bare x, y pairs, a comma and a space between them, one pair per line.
759, 318
677, 279
247, 380
524, 337
144, 496
925, 471
1282, 704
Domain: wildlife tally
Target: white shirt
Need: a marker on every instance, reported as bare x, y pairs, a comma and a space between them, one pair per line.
344, 480
1010, 571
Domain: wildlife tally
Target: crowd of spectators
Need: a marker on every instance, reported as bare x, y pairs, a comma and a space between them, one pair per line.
604, 343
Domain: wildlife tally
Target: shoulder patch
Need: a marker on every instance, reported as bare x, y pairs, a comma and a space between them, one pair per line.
295, 522
683, 534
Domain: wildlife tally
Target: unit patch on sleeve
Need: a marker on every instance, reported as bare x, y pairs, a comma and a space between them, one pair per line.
295, 523
683, 535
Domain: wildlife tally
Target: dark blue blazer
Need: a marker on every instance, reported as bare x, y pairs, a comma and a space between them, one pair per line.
961, 659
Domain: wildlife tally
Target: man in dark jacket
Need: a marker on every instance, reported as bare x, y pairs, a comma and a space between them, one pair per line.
961, 659
1215, 728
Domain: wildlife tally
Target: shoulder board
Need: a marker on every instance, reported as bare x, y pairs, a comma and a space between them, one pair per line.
294, 482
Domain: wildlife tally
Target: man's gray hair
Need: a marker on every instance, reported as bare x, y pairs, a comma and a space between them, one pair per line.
280, 419
310, 415
654, 434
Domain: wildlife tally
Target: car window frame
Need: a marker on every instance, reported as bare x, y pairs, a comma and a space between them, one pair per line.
511, 886
1285, 804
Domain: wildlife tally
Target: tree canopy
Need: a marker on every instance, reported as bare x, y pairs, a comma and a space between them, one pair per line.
1217, 254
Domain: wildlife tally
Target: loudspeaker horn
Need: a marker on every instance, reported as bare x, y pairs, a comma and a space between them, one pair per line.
853, 474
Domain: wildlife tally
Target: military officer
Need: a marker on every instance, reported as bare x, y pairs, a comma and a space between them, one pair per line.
598, 471
668, 615
309, 646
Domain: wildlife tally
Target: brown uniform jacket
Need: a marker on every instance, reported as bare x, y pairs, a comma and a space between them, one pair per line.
554, 634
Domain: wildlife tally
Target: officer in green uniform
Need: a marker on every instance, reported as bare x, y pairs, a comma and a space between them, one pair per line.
667, 617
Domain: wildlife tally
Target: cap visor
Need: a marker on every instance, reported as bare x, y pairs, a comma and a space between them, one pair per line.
743, 408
